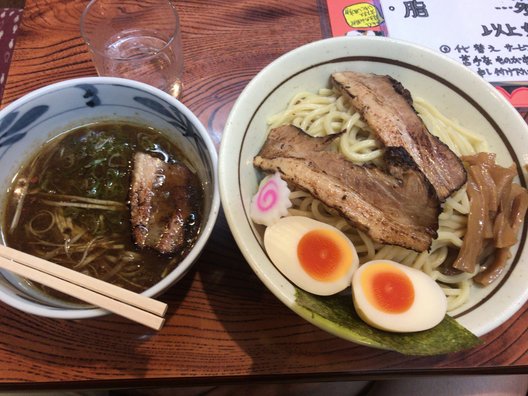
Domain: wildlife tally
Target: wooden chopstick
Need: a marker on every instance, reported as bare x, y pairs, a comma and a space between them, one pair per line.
126, 303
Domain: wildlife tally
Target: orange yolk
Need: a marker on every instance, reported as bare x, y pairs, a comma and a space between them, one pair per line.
388, 289
324, 255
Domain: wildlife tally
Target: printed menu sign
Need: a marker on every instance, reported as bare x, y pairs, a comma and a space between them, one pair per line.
488, 36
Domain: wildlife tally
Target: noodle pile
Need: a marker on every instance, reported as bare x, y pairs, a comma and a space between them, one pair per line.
328, 112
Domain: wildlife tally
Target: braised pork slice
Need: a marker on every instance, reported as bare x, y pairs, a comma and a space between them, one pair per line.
387, 108
398, 211
159, 203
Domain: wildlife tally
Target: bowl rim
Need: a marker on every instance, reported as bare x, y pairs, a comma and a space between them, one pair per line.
83, 313
282, 64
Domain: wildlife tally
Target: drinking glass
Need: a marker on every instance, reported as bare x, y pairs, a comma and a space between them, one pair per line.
139, 40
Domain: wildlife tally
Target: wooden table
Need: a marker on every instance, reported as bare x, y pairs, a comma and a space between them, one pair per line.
223, 325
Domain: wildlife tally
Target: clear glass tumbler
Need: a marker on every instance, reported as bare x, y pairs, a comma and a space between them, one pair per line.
139, 40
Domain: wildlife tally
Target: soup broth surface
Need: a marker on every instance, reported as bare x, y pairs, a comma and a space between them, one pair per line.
69, 204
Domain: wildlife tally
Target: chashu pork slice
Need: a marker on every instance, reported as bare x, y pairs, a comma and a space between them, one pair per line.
398, 211
387, 108
159, 203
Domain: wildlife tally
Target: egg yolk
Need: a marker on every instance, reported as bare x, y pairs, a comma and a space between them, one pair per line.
324, 255
388, 289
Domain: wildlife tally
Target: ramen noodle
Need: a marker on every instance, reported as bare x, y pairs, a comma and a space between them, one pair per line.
328, 112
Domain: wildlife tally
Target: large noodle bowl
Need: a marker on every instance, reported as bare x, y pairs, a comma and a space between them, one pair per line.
328, 112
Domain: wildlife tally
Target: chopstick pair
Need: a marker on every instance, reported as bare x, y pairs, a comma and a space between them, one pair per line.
126, 303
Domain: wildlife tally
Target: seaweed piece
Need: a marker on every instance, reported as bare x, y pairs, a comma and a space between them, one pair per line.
337, 313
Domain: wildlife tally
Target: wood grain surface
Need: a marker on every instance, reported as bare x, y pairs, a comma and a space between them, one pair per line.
223, 325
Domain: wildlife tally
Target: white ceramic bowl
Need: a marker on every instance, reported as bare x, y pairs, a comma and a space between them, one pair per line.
32, 120
453, 89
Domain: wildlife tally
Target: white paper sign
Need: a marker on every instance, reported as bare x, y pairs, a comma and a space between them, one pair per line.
488, 36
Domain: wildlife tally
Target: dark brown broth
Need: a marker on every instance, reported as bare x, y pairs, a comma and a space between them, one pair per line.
93, 161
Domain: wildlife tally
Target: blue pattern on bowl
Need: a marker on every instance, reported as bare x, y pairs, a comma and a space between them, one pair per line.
15, 134
91, 94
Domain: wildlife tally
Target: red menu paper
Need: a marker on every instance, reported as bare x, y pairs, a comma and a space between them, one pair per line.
349, 17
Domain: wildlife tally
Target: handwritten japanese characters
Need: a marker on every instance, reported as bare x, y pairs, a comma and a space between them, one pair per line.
488, 36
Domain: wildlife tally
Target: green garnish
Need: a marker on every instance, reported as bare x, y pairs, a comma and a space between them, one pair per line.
337, 312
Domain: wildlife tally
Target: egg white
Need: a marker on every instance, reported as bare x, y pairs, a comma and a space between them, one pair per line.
281, 241
428, 309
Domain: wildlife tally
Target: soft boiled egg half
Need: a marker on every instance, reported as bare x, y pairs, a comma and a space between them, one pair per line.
315, 256
393, 297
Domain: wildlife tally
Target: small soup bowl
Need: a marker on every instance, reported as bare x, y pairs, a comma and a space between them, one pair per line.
31, 121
